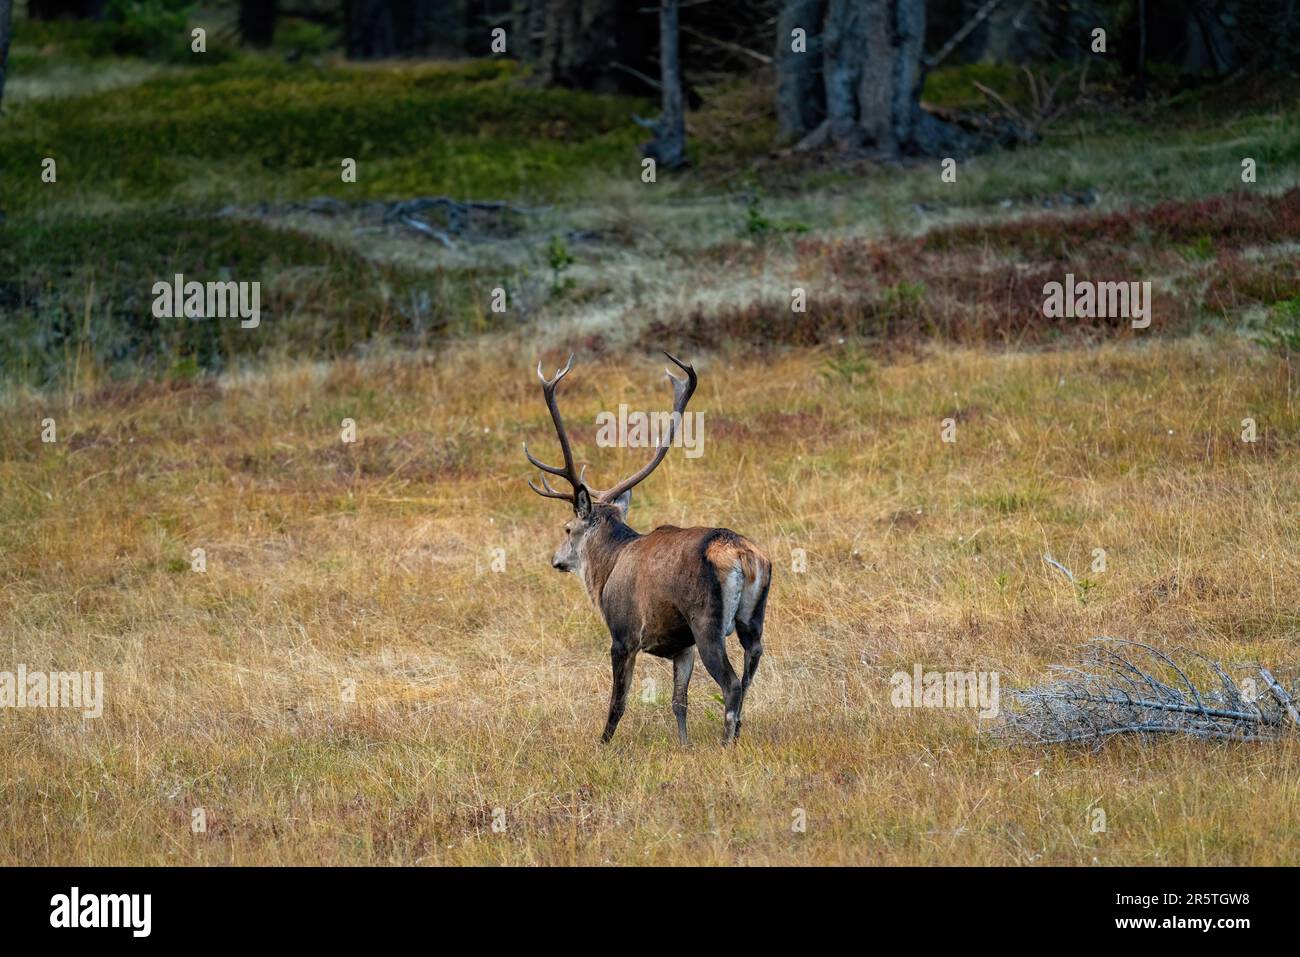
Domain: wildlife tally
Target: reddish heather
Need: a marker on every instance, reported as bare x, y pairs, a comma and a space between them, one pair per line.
984, 283
1227, 222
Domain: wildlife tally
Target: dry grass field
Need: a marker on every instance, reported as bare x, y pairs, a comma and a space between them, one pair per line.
378, 665
370, 566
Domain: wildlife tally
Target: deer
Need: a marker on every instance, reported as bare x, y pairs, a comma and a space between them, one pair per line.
667, 592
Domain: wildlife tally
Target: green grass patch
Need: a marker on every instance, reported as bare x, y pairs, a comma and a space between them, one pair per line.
77, 291
261, 129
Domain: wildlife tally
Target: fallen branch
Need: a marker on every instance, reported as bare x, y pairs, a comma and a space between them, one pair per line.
420, 226
457, 213
1129, 688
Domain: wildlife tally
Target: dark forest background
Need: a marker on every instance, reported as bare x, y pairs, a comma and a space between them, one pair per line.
854, 85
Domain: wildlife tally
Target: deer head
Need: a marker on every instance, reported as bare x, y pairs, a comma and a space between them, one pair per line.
598, 515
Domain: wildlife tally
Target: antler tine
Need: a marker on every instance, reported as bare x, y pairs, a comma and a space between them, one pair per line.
560, 374
549, 492
542, 465
567, 472
596, 494
678, 383
683, 389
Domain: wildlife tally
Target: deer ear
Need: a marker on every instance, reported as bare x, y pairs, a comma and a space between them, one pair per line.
622, 503
582, 503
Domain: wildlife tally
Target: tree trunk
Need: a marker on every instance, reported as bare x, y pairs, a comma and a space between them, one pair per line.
800, 93
416, 23
528, 29
257, 22
845, 38
1285, 39
1142, 50
668, 148
870, 62
600, 45
370, 34
1014, 34
6, 24
582, 41
1210, 47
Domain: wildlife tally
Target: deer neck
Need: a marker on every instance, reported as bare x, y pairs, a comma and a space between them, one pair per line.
602, 554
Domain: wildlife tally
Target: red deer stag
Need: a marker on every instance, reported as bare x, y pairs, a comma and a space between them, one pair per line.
667, 592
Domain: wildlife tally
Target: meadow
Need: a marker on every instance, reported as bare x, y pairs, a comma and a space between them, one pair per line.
377, 664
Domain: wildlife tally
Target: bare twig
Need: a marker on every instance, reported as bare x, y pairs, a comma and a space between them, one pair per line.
728, 45
1280, 694
631, 71
1044, 108
1059, 567
980, 16
1001, 101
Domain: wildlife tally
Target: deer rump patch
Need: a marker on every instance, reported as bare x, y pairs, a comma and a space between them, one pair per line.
741, 576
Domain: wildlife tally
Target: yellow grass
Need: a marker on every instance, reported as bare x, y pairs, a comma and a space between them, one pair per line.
371, 566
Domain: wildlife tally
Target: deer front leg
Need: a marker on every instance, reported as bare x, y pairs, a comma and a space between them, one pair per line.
683, 665
623, 661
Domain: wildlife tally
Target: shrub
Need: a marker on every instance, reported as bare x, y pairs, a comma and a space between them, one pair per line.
148, 28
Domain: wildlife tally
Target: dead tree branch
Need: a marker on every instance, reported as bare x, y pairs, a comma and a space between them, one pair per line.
762, 58
1126, 687
980, 16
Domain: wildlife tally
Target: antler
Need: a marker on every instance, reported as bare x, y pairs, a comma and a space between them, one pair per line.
683, 389
567, 472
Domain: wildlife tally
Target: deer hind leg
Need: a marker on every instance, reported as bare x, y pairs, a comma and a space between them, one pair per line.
623, 660
710, 638
683, 665
749, 629
750, 633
